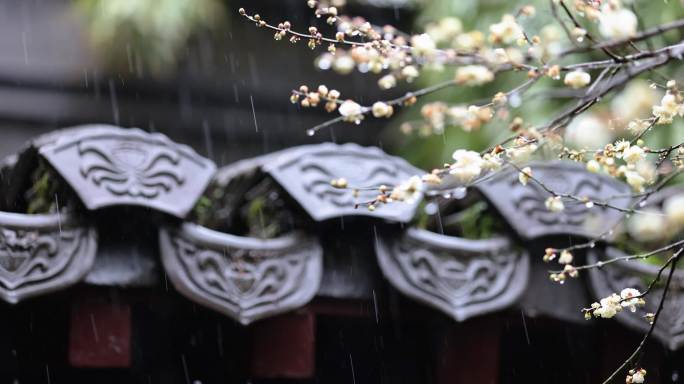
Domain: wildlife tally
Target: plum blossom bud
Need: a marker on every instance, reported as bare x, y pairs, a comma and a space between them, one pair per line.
339, 183
473, 75
565, 257
387, 82
381, 109
577, 79
410, 73
593, 166
570, 270
549, 255
500, 99
554, 72
334, 94
524, 175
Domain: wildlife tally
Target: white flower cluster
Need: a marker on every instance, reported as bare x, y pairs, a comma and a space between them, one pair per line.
636, 376
407, 191
671, 105
636, 170
468, 165
507, 31
473, 75
438, 115
568, 270
610, 306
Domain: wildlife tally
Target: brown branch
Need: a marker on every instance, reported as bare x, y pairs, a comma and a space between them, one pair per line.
647, 34
648, 334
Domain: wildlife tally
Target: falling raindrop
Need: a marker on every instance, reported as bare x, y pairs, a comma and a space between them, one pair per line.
256, 126
514, 100
431, 208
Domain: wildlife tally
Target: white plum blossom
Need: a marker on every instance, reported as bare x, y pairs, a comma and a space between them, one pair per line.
351, 110
593, 166
469, 41
521, 153
444, 30
635, 101
587, 131
410, 73
608, 307
647, 170
507, 31
633, 154
673, 208
491, 162
554, 204
343, 64
636, 377
467, 166
630, 299
423, 45
577, 79
565, 257
668, 109
408, 191
635, 180
647, 225
381, 109
387, 82
473, 75
617, 23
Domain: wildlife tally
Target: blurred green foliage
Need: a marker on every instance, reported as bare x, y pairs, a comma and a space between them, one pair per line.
147, 34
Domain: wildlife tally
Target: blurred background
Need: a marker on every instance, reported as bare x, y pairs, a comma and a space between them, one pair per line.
196, 71
192, 69
199, 73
